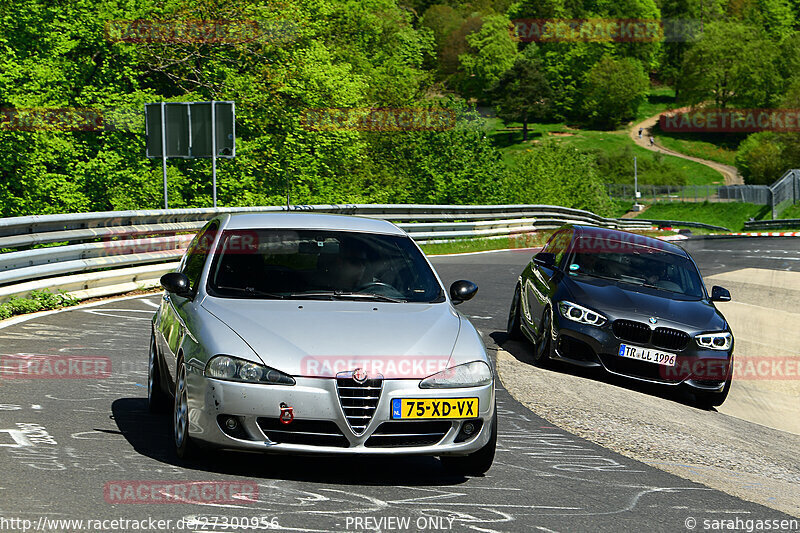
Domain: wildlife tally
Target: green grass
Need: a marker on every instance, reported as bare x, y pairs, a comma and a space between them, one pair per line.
460, 246
508, 138
528, 240
659, 100
791, 212
731, 215
719, 147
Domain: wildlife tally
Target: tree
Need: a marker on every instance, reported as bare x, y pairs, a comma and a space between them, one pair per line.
522, 93
492, 52
730, 64
614, 90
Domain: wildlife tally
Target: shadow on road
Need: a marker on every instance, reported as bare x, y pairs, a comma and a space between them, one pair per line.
151, 435
522, 351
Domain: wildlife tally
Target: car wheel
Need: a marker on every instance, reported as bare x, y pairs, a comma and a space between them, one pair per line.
707, 400
476, 463
513, 327
156, 397
180, 418
541, 352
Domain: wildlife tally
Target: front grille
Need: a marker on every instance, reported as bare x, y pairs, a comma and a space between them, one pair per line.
403, 434
308, 432
670, 339
631, 331
639, 332
358, 400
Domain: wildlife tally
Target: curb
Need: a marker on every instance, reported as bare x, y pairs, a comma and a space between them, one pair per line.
761, 234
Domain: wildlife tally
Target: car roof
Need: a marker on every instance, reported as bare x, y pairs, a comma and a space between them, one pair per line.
627, 237
301, 220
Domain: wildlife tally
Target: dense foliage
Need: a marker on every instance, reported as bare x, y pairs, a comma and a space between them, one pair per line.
307, 54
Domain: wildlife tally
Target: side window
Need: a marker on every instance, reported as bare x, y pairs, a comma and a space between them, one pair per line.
197, 253
559, 244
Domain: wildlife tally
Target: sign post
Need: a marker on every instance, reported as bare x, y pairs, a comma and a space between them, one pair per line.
191, 130
164, 152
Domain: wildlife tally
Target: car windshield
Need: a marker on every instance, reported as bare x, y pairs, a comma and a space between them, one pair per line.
636, 265
321, 264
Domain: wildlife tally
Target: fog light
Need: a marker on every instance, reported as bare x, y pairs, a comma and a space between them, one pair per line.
232, 426
468, 430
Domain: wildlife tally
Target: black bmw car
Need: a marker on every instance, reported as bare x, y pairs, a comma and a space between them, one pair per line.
633, 305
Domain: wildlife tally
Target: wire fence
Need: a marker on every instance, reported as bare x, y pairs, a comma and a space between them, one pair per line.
780, 195
672, 193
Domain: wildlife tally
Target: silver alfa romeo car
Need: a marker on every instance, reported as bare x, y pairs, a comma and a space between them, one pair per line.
310, 333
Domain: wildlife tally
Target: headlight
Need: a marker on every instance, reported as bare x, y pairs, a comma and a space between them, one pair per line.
474, 374
234, 369
714, 341
580, 314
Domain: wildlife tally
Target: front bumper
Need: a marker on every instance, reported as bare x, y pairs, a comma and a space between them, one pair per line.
320, 426
598, 347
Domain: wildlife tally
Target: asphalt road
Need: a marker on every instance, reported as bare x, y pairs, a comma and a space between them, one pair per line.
63, 441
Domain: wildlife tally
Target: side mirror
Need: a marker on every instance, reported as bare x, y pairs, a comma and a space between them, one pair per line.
462, 290
720, 294
545, 259
176, 283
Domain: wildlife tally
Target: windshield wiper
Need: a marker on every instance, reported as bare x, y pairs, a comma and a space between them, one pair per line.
346, 294
251, 292
593, 275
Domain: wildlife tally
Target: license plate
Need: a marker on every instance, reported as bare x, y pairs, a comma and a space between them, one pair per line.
647, 354
428, 408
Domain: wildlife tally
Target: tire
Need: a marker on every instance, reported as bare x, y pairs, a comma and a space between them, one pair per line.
707, 400
541, 352
157, 399
476, 463
513, 327
184, 447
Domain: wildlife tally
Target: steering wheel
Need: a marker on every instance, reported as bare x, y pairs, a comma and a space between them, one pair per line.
375, 284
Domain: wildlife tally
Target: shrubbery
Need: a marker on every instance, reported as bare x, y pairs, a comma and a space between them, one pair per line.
36, 301
557, 174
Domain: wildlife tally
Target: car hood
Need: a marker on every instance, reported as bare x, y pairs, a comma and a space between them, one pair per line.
321, 338
629, 301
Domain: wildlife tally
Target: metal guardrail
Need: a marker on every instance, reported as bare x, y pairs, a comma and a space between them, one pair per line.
98, 254
788, 223
683, 223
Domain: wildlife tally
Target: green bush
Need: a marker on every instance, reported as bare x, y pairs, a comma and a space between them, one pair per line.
760, 158
558, 174
617, 167
48, 300
39, 300
21, 306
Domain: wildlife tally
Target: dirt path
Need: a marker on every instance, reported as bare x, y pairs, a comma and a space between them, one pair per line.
730, 173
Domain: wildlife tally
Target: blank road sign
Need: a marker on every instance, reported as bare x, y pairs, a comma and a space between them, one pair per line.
189, 128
